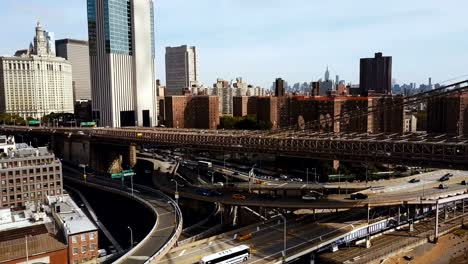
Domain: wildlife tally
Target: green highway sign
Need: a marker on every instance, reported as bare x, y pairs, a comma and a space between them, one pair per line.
116, 175
34, 122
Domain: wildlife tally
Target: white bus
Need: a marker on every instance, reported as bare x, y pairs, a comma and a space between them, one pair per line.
205, 164
231, 256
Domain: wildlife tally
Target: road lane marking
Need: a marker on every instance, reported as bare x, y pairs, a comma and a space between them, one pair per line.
181, 253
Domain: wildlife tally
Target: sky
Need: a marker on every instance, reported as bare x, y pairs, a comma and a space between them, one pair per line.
261, 40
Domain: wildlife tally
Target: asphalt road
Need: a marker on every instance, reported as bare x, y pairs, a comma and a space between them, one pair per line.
266, 243
165, 214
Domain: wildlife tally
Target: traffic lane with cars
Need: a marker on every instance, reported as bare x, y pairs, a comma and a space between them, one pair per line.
266, 243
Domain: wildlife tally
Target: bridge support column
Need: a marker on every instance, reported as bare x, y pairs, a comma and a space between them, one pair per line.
132, 155
436, 228
398, 216
368, 242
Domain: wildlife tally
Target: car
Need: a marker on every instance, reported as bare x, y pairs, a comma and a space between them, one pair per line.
444, 178
238, 196
219, 184
309, 197
215, 193
284, 177
203, 192
359, 196
443, 186
415, 180
464, 182
449, 175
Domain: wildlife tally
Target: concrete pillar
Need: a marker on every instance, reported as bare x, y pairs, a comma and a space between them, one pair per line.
314, 213
368, 243
398, 215
336, 164
436, 229
132, 155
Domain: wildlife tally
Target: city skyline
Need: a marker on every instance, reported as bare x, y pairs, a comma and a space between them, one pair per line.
263, 46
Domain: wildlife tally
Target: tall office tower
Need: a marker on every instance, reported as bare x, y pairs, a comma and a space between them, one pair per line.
121, 49
376, 75
77, 53
35, 83
181, 69
280, 87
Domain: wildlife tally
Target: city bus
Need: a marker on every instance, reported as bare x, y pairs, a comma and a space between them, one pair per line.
205, 164
233, 255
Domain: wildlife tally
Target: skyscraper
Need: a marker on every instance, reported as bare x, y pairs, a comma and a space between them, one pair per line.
376, 75
280, 87
181, 69
121, 48
77, 53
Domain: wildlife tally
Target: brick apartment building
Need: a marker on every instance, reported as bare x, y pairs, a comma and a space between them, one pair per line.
448, 115
29, 175
335, 114
191, 111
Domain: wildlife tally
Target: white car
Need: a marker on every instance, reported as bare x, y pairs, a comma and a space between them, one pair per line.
309, 197
219, 184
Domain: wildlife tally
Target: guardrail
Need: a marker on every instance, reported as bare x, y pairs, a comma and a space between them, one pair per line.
175, 236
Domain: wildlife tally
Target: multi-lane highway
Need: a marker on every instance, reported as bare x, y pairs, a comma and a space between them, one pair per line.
266, 241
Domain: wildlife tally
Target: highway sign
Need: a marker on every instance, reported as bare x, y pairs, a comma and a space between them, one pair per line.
116, 175
34, 122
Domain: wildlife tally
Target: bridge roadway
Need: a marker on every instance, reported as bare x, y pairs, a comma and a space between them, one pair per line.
168, 224
412, 149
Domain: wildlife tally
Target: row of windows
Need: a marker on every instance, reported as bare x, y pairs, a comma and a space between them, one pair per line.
25, 171
26, 66
83, 237
24, 180
27, 162
13, 199
84, 249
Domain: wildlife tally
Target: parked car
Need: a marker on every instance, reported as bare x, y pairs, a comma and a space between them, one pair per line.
359, 196
443, 186
464, 182
238, 196
415, 180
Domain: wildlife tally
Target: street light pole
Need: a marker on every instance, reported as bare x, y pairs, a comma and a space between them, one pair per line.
307, 178
284, 236
131, 237
176, 196
131, 182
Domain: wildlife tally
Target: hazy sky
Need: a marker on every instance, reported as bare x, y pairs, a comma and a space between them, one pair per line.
294, 39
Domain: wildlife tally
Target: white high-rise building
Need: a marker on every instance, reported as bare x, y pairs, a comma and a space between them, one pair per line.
224, 91
181, 69
121, 48
36, 83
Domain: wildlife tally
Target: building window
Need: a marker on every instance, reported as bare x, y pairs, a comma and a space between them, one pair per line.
83, 237
83, 249
91, 236
75, 251
92, 247
73, 239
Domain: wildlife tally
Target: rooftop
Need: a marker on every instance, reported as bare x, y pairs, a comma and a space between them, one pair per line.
71, 216
37, 244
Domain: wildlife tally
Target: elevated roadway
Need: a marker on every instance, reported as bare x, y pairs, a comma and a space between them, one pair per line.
168, 224
441, 151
